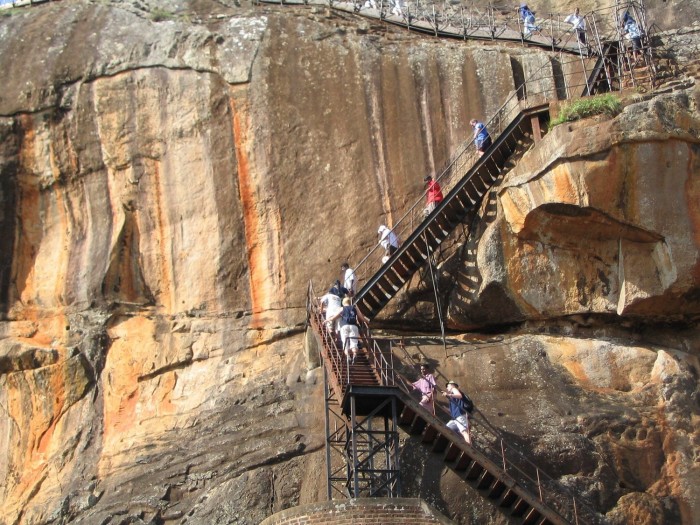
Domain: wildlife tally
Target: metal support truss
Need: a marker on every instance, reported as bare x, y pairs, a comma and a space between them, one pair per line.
362, 451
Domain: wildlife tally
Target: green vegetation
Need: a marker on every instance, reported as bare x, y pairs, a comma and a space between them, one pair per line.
161, 15
587, 107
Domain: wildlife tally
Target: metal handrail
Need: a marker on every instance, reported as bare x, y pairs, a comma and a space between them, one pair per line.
486, 438
460, 163
489, 440
327, 341
490, 22
539, 86
601, 24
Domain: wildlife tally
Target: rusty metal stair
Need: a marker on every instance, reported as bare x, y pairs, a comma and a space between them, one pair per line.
483, 474
462, 200
365, 393
598, 81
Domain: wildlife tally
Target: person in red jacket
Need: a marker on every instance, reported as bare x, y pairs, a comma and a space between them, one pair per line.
434, 194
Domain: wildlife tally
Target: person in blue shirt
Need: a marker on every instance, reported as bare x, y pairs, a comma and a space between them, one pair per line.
460, 417
528, 20
348, 318
482, 139
631, 29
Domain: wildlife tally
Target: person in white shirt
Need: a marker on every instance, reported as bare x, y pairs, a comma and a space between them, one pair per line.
331, 303
579, 24
348, 278
397, 7
389, 242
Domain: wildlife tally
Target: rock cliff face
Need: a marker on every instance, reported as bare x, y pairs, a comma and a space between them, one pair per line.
576, 214
173, 174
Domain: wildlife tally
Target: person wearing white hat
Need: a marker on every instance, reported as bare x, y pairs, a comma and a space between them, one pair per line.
388, 240
460, 417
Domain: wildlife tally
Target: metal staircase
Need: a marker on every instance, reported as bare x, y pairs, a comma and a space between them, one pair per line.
461, 201
362, 442
368, 402
490, 478
601, 78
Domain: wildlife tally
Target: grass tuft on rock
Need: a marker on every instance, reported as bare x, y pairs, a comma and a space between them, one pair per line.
161, 15
587, 107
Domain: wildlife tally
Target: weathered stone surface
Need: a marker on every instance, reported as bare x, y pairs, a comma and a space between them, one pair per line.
599, 414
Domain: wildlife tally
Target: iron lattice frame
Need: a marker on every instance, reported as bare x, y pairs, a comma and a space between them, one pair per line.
362, 451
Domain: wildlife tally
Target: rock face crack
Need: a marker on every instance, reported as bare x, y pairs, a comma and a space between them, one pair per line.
163, 370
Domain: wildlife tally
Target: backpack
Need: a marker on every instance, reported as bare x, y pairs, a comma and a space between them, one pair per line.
467, 403
349, 315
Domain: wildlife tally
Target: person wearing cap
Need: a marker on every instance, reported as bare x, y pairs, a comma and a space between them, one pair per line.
389, 242
348, 278
433, 195
426, 386
482, 139
460, 417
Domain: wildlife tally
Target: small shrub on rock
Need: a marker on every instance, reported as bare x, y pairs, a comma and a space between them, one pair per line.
161, 15
587, 107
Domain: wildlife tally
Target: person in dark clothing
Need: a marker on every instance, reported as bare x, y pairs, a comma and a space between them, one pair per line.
338, 289
349, 327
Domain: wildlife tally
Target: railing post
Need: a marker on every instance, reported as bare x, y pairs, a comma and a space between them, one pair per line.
503, 455
391, 364
355, 477
327, 425
536, 129
520, 28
